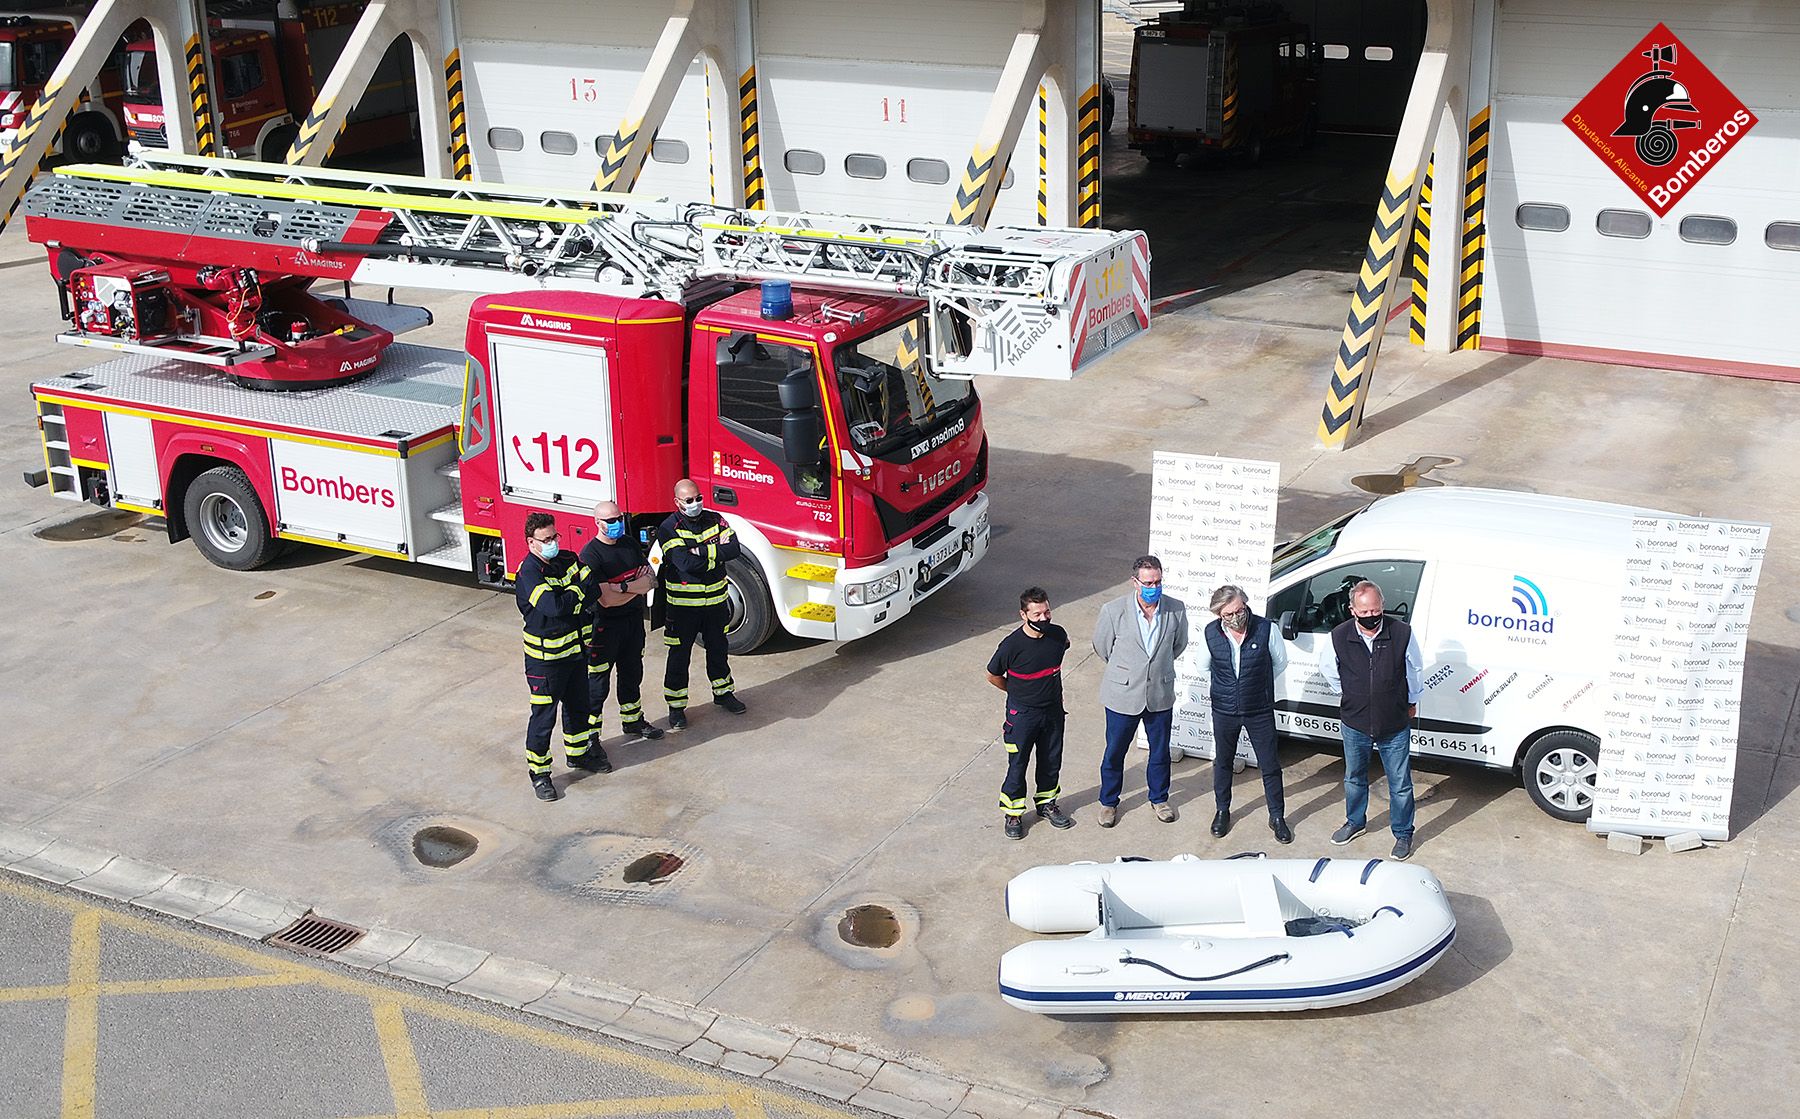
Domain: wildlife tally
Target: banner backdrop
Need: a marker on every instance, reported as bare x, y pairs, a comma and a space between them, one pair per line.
1677, 673
1212, 521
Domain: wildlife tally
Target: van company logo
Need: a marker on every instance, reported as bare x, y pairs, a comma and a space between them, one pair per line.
1531, 622
1661, 129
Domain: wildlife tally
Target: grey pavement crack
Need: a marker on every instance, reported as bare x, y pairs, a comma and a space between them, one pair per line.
1684, 1102
183, 751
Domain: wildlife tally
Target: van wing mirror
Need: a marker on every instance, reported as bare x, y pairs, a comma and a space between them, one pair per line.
1287, 625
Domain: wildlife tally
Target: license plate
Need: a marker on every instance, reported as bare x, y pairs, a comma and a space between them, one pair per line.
949, 548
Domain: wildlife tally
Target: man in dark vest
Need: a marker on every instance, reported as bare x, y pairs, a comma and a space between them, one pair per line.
1373, 663
1247, 654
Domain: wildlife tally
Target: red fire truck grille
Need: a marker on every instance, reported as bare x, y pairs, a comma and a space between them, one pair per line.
896, 523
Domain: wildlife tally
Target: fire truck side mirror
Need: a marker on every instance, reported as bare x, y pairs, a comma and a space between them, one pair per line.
797, 391
801, 434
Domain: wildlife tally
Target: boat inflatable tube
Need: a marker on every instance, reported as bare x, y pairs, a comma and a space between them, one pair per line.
1193, 935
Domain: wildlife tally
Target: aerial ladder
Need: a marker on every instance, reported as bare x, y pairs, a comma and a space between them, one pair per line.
212, 261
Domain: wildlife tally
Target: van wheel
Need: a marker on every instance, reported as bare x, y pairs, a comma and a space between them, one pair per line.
1560, 771
227, 521
752, 610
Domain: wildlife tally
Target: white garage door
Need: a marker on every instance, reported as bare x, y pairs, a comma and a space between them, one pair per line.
1577, 264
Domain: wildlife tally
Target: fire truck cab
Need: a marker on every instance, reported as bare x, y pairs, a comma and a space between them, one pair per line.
30, 48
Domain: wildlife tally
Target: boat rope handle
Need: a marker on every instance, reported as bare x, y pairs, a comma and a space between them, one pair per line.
1246, 855
1318, 869
1387, 908
1128, 959
1368, 870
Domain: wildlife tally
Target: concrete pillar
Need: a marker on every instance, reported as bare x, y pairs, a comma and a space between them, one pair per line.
694, 26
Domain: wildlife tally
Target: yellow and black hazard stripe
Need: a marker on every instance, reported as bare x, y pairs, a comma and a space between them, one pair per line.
974, 181
205, 141
1362, 329
1087, 151
1474, 236
1043, 193
311, 130
461, 165
613, 161
712, 180
906, 356
1421, 260
754, 195
44, 164
1228, 102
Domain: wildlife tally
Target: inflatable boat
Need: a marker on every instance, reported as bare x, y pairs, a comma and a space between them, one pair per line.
1192, 935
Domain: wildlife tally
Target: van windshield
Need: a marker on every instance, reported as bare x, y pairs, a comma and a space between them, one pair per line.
1297, 553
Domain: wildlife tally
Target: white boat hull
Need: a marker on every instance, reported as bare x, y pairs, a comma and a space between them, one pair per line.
1192, 936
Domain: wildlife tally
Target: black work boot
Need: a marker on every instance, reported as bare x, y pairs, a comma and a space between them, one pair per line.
544, 787
644, 729
594, 761
730, 702
1015, 826
1051, 811
677, 718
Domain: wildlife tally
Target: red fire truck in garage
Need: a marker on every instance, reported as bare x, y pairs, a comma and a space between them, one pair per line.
617, 345
30, 48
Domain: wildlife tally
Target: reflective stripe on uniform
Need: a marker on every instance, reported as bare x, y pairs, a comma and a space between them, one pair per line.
671, 640
1047, 797
628, 711
722, 686
1013, 807
1012, 747
599, 669
536, 699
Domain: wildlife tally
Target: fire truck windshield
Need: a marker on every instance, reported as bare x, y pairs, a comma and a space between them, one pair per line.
140, 76
889, 397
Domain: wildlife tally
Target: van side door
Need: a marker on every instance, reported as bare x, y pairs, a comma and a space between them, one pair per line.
1304, 705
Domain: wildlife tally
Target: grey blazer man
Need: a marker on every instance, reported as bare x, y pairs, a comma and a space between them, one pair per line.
1139, 680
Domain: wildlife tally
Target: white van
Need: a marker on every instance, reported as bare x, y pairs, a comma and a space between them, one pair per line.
1513, 597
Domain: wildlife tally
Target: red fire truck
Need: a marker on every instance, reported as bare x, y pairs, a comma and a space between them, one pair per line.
617, 346
30, 48
268, 61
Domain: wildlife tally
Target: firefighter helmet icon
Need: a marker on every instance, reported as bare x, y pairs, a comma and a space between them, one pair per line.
1652, 95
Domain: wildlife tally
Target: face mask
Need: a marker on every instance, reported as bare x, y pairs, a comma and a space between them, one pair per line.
691, 508
1370, 624
548, 551
1150, 595
1235, 621
614, 528
1042, 627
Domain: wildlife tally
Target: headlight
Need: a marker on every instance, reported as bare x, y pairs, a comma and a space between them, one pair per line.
866, 594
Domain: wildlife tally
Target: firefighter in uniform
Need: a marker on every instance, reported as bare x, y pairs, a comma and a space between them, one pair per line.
696, 545
554, 606
615, 574
1028, 668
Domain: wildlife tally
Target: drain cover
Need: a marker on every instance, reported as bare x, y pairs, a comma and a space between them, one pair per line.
313, 935
652, 868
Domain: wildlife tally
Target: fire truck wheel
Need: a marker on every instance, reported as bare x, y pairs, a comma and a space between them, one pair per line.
275, 146
752, 610
227, 521
89, 138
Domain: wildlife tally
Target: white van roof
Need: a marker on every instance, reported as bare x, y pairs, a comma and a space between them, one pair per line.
1477, 519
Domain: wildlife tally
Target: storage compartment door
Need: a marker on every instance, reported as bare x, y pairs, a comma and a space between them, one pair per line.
131, 451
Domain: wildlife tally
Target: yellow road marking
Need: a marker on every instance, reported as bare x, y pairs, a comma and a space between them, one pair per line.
746, 1102
402, 1063
81, 1028
155, 987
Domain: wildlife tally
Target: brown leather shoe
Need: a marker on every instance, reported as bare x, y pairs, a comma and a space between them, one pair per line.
1109, 815
1165, 812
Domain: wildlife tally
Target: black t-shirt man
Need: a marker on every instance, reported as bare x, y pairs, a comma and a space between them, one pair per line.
609, 564
1032, 667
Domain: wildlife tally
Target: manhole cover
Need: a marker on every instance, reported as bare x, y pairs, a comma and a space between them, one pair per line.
655, 867
1410, 476
442, 846
91, 527
869, 926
